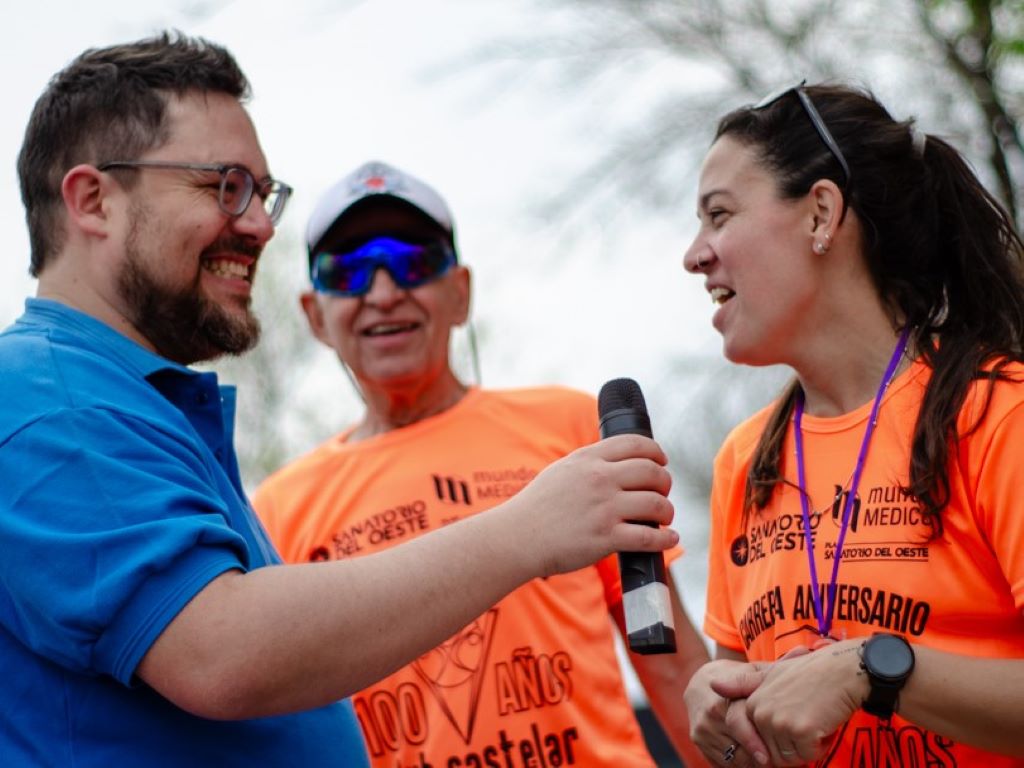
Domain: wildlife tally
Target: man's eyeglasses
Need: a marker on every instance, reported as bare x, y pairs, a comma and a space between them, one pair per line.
816, 121
237, 185
410, 264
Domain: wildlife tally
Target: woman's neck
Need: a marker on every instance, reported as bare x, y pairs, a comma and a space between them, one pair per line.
846, 374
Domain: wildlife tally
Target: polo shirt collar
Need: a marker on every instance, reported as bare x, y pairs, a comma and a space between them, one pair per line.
60, 317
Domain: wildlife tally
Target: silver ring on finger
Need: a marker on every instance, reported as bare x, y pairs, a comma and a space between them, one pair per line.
729, 752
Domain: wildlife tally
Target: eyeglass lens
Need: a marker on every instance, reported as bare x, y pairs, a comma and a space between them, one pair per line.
236, 187
236, 190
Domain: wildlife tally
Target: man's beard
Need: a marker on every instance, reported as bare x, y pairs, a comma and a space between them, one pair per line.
183, 325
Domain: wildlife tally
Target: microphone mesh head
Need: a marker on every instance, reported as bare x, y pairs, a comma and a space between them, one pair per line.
618, 394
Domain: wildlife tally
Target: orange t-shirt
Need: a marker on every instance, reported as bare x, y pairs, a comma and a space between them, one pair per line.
962, 592
534, 681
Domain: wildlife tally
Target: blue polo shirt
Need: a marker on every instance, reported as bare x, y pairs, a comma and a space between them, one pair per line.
120, 500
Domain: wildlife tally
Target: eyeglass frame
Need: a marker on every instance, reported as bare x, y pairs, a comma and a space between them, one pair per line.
816, 120
263, 188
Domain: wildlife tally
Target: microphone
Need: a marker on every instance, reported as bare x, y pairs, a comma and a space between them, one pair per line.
650, 627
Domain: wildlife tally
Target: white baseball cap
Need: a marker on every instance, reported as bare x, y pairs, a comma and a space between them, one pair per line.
370, 179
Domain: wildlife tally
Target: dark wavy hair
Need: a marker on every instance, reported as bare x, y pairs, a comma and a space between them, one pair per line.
941, 250
109, 103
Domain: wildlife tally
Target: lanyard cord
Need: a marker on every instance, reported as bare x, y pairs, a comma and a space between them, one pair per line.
825, 618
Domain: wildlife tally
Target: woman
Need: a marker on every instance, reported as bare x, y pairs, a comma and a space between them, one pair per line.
867, 544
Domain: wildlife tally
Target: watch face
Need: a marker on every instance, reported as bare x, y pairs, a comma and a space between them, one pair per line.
888, 657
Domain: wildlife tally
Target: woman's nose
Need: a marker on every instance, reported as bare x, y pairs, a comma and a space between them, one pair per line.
697, 257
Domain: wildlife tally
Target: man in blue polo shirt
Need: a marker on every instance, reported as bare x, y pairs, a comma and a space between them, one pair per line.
144, 617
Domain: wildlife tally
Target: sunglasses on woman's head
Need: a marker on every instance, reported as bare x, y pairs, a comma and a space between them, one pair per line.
816, 121
350, 272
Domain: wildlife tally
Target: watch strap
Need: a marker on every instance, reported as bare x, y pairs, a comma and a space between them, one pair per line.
882, 699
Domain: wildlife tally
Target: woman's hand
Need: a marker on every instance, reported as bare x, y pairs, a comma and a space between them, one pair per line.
799, 702
721, 726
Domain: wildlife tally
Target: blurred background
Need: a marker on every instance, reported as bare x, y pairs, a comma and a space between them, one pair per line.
566, 136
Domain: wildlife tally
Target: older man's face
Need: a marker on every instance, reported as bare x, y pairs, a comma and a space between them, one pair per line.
391, 337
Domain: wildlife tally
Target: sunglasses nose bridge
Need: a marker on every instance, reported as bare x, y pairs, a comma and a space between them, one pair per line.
382, 287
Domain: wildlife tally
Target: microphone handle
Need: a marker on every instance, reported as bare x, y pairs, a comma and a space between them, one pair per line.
646, 602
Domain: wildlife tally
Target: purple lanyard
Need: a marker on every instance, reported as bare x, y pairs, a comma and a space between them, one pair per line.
825, 617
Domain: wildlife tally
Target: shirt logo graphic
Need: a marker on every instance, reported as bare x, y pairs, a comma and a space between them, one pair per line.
451, 490
454, 672
740, 550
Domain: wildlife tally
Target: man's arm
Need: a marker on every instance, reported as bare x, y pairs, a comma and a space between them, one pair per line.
665, 676
285, 638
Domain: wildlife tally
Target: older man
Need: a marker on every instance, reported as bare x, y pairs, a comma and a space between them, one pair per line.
534, 680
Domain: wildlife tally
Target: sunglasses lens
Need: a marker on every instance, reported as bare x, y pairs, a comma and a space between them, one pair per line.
422, 263
410, 265
340, 273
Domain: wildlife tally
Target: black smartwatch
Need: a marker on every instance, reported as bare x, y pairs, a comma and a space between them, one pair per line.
888, 661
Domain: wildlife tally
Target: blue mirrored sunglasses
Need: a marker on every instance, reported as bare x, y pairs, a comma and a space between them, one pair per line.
409, 264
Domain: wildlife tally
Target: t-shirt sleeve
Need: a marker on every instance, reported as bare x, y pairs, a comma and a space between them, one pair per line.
109, 527
581, 418
1000, 504
718, 624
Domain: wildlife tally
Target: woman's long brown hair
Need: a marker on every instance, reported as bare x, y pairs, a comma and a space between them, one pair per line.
942, 252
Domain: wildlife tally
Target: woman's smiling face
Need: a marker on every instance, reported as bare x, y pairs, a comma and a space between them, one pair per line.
754, 248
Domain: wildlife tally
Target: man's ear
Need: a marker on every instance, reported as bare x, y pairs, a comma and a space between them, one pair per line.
86, 194
463, 284
314, 316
